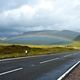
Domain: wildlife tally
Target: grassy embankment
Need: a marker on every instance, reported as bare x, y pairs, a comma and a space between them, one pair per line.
13, 51
75, 44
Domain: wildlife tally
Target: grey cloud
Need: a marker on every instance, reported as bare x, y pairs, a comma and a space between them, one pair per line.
11, 4
30, 15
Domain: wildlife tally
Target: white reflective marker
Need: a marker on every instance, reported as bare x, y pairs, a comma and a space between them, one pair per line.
26, 51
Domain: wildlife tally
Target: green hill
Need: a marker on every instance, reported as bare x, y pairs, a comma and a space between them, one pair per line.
44, 37
77, 38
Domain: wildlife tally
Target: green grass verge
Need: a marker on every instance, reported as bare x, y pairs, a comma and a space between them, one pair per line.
75, 44
13, 51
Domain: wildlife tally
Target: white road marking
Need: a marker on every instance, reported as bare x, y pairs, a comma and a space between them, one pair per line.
10, 71
67, 72
54, 59
68, 55
23, 57
49, 60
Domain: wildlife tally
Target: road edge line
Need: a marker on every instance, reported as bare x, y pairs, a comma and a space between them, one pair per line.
68, 71
9, 59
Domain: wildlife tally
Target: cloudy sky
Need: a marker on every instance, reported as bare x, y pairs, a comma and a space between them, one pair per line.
27, 15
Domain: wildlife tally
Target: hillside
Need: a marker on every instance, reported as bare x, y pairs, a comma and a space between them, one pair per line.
64, 33
77, 38
44, 37
14, 51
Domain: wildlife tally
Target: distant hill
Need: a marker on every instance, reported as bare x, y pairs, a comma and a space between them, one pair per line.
63, 34
68, 34
47, 37
77, 38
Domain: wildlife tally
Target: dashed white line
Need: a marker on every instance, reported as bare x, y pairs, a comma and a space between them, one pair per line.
55, 59
68, 55
10, 71
49, 60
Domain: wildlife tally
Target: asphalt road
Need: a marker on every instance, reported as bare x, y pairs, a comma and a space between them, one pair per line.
46, 67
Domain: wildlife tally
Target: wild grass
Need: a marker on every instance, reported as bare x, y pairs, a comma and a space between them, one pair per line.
13, 51
75, 44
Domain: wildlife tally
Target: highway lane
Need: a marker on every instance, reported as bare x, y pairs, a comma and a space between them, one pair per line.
46, 67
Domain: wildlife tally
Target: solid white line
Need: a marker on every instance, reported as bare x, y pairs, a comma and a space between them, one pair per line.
10, 71
68, 71
23, 57
48, 60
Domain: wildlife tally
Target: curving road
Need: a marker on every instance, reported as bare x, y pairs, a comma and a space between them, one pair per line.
46, 67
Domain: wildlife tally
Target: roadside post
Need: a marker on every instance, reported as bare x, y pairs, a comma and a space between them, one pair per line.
26, 52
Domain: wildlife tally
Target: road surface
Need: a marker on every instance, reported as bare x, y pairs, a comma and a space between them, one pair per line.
46, 67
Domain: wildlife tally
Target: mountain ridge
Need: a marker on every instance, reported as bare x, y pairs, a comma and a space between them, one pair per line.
43, 37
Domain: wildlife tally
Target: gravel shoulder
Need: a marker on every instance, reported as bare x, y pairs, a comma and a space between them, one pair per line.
75, 74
